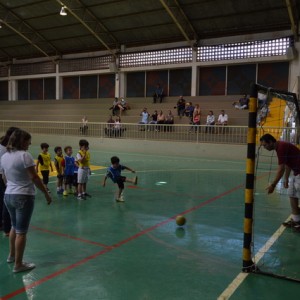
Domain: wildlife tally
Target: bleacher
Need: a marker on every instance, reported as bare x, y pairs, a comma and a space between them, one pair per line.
97, 110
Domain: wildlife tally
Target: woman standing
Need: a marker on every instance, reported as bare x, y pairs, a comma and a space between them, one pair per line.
18, 171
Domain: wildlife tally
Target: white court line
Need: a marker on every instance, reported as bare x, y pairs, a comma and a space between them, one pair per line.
228, 292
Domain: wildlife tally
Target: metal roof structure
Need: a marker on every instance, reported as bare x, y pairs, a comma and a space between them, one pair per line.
35, 28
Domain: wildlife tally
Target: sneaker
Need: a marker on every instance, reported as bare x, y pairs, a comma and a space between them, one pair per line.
25, 267
120, 199
65, 193
80, 197
59, 192
10, 259
291, 224
135, 180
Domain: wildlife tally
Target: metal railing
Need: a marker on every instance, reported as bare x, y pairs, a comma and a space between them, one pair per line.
186, 133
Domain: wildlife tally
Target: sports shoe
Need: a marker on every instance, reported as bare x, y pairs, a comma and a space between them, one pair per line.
291, 224
10, 259
25, 267
135, 180
80, 197
65, 193
120, 199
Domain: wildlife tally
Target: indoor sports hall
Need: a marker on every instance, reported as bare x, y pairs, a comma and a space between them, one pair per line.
66, 67
101, 249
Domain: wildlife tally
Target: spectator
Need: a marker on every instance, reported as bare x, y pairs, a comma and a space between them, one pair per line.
154, 120
116, 106
84, 125
243, 103
109, 126
158, 94
21, 178
210, 122
169, 119
196, 118
189, 109
118, 129
160, 120
180, 106
222, 120
124, 104
144, 118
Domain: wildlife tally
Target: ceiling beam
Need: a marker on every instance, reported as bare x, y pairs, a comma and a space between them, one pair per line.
291, 7
87, 19
181, 20
21, 28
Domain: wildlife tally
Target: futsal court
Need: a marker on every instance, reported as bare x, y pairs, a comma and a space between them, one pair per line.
101, 249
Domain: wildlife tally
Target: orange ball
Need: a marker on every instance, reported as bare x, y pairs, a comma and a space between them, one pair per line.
180, 220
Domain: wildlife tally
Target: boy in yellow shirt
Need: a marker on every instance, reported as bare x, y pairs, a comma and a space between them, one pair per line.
83, 158
58, 162
44, 162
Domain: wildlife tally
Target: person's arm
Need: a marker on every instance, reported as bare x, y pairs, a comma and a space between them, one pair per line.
4, 178
38, 183
286, 177
279, 173
56, 166
80, 158
104, 181
37, 166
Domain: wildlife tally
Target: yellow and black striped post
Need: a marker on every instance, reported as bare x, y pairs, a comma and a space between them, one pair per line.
248, 264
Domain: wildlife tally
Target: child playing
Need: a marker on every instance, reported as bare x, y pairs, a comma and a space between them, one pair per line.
69, 167
114, 173
58, 162
83, 158
44, 161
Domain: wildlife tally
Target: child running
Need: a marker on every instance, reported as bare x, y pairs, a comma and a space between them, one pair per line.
59, 165
114, 173
44, 161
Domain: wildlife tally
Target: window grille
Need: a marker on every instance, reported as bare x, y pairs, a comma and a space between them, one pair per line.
158, 57
253, 49
85, 64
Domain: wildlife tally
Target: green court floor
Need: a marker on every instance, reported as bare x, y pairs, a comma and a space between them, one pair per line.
100, 249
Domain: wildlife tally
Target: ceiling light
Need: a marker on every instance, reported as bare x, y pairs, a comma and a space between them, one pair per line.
63, 11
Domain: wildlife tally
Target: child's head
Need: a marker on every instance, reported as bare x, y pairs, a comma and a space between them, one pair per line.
58, 150
68, 150
84, 144
44, 147
115, 161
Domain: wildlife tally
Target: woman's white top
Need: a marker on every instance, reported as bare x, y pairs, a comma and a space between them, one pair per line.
14, 166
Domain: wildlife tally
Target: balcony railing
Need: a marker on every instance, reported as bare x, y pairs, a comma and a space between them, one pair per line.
186, 133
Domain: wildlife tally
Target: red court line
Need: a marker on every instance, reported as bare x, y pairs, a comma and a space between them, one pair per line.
117, 245
69, 236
